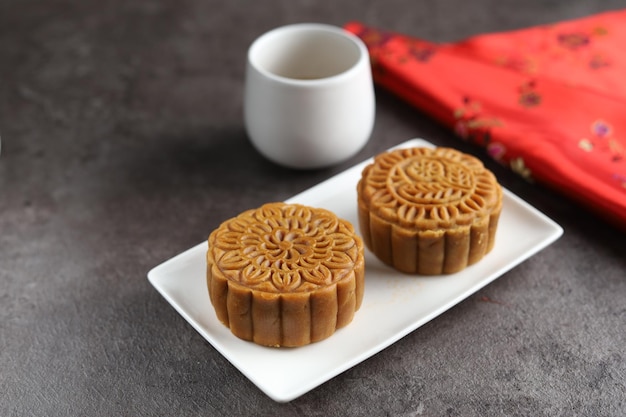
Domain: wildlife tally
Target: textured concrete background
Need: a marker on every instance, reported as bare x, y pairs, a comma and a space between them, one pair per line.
123, 145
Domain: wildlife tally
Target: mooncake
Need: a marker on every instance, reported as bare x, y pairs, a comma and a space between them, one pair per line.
285, 275
428, 211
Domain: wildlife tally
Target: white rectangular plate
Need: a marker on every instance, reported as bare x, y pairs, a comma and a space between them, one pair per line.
394, 304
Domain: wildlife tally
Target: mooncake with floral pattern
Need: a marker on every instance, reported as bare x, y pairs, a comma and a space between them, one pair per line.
285, 274
428, 211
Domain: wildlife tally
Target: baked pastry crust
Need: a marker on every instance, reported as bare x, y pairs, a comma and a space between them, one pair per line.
428, 211
285, 274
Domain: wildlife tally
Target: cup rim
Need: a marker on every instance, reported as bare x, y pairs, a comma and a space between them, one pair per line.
363, 58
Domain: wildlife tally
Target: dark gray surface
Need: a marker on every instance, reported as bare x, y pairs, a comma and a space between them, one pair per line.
123, 145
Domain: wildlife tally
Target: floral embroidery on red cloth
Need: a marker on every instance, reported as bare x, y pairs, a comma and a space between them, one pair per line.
602, 140
573, 41
471, 124
528, 96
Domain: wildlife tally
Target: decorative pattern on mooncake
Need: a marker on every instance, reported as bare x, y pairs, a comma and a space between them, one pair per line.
428, 211
285, 274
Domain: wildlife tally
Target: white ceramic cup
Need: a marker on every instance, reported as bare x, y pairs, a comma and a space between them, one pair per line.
309, 98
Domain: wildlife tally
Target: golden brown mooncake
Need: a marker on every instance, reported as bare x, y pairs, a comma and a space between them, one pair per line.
428, 211
285, 274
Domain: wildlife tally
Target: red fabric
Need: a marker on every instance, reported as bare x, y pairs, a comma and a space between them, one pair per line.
548, 101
